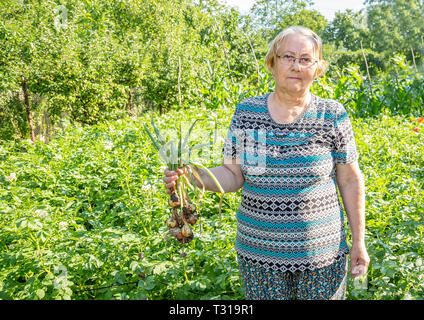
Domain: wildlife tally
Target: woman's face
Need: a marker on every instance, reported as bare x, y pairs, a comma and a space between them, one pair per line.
293, 77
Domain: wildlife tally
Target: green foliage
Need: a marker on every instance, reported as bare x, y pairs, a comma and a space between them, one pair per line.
340, 59
396, 25
311, 19
398, 91
78, 212
11, 117
90, 61
385, 29
271, 17
84, 216
347, 30
391, 159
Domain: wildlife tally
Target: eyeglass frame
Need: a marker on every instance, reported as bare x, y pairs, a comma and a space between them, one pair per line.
297, 58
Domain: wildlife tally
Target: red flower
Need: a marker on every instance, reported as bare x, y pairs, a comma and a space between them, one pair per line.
420, 119
415, 129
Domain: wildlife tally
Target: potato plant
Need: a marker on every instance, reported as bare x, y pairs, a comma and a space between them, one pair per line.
84, 216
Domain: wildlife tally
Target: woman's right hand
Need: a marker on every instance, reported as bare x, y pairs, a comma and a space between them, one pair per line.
170, 177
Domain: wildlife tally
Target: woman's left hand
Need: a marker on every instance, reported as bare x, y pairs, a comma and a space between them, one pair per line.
359, 260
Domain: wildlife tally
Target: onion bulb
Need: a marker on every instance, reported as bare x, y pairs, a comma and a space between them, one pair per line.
186, 231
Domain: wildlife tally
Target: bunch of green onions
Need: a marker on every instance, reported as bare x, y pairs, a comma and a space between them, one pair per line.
176, 155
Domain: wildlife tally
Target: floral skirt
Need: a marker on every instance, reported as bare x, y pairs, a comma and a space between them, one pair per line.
327, 283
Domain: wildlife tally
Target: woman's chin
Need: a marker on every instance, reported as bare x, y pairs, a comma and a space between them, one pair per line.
295, 89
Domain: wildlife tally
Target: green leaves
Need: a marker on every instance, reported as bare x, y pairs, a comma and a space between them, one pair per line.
92, 200
40, 293
398, 91
389, 149
93, 210
148, 284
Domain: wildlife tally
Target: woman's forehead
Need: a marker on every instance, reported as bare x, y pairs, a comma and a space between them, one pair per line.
296, 43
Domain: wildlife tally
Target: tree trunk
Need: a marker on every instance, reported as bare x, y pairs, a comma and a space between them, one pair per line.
46, 125
179, 82
413, 59
28, 110
130, 103
366, 65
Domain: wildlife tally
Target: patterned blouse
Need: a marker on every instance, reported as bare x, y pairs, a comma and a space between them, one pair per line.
290, 217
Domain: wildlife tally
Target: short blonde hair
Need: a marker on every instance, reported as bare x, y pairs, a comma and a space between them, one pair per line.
278, 40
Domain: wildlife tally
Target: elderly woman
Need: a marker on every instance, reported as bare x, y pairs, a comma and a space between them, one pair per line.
291, 150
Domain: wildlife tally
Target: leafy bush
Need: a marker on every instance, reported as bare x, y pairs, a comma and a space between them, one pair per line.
398, 91
84, 216
392, 161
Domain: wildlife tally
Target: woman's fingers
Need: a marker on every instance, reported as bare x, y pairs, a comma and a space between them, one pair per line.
182, 170
358, 270
170, 176
170, 181
168, 173
175, 173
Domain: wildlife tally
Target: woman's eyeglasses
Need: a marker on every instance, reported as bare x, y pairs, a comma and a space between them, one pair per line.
303, 61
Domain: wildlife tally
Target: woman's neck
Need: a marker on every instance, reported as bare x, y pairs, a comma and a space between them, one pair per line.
288, 100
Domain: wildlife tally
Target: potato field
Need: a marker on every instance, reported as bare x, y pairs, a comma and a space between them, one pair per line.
83, 208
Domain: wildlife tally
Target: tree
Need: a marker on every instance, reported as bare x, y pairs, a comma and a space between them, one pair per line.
385, 28
311, 19
396, 25
347, 30
269, 14
28, 41
271, 17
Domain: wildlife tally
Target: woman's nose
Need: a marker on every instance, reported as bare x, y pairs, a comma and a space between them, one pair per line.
296, 64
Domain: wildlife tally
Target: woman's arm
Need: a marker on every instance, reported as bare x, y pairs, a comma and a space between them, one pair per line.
228, 175
351, 185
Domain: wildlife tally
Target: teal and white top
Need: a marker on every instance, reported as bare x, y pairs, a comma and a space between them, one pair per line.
290, 217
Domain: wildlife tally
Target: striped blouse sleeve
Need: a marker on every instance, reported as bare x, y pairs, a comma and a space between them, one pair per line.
344, 146
233, 142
